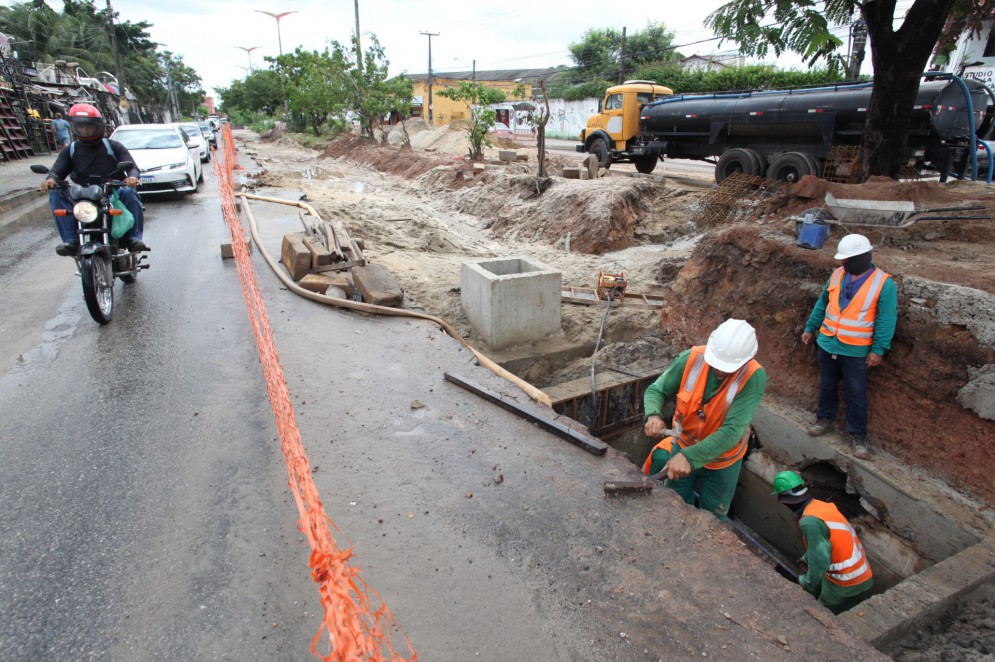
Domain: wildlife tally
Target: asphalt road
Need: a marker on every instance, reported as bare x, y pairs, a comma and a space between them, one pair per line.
146, 514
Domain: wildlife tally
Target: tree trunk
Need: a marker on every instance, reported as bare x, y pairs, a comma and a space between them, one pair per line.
899, 58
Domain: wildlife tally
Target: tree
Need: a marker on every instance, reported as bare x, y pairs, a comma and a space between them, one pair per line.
899, 56
598, 55
482, 119
317, 86
537, 117
373, 95
260, 92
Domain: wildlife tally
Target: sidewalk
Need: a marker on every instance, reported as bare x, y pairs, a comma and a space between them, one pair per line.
17, 176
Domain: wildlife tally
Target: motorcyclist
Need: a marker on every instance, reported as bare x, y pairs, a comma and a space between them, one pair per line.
94, 156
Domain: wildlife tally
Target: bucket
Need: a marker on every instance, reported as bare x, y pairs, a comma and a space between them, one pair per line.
813, 233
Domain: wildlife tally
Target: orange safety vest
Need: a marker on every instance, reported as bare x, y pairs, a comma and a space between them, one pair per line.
848, 565
855, 324
699, 420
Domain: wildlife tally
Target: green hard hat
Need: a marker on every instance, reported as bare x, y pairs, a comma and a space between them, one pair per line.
786, 481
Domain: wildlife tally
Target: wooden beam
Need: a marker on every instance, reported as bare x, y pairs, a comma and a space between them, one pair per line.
585, 441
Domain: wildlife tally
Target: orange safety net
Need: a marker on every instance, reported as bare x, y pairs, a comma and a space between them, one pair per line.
355, 629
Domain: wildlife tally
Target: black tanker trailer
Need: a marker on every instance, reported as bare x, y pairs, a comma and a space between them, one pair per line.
786, 134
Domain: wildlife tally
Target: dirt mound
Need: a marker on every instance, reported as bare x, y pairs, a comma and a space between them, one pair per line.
945, 334
599, 216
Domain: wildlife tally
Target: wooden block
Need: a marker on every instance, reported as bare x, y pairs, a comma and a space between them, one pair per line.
319, 254
295, 256
227, 252
571, 173
378, 285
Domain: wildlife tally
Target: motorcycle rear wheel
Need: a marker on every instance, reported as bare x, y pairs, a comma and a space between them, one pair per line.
98, 287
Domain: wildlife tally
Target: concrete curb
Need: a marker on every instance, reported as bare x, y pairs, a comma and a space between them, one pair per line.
887, 617
26, 205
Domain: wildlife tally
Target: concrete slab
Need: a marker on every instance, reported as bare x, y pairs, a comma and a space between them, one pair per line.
511, 300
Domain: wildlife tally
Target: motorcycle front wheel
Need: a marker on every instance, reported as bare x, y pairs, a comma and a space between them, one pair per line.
98, 287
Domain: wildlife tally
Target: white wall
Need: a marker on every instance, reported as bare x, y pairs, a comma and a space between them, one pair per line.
567, 118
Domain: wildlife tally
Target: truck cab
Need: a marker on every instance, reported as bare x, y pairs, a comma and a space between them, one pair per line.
613, 134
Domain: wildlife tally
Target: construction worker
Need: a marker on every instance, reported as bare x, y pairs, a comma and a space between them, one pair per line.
718, 388
836, 569
855, 317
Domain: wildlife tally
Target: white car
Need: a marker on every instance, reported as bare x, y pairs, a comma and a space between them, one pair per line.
195, 134
167, 160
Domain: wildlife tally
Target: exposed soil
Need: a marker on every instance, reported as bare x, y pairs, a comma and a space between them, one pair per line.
422, 212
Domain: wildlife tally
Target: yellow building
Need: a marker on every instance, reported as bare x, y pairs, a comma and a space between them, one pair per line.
445, 110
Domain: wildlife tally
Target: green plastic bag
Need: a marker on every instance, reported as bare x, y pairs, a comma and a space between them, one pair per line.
121, 224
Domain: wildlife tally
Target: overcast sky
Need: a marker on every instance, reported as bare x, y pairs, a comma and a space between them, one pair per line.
509, 35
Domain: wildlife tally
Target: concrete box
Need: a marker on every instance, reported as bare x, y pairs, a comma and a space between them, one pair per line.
511, 300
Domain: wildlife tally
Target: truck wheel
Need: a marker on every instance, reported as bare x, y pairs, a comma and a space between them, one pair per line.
645, 164
791, 167
736, 160
814, 163
600, 149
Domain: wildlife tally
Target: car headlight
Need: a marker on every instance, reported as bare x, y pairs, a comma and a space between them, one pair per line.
85, 211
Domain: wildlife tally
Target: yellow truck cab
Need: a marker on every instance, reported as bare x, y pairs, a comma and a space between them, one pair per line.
613, 134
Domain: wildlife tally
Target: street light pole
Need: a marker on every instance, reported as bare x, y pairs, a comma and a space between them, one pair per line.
279, 39
122, 99
430, 81
248, 51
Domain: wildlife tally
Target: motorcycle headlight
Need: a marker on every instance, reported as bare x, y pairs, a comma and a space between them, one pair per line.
85, 211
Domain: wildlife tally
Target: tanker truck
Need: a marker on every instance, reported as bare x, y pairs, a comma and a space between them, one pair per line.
780, 134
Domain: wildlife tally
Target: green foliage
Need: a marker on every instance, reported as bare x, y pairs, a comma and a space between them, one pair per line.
598, 54
753, 77
593, 88
482, 119
260, 91
372, 95
316, 85
80, 34
799, 26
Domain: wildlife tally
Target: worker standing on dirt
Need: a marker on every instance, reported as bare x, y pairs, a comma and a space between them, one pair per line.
855, 317
836, 569
718, 388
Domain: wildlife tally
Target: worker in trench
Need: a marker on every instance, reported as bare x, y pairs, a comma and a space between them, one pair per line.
835, 567
718, 388
855, 318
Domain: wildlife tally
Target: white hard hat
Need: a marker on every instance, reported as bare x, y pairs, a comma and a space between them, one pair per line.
731, 345
853, 244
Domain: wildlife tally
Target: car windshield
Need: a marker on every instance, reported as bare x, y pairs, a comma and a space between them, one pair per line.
204, 126
191, 131
148, 139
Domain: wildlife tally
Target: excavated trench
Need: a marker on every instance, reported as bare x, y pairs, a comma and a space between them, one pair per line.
910, 542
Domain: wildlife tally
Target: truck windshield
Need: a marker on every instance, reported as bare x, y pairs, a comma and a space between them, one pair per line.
613, 102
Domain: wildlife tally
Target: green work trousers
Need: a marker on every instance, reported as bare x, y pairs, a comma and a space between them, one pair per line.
716, 487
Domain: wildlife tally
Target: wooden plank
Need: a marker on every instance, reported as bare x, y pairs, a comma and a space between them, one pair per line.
585, 441
589, 297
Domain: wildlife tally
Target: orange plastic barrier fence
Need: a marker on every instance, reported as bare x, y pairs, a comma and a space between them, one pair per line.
355, 629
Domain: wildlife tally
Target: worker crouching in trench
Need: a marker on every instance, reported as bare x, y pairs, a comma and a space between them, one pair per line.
718, 388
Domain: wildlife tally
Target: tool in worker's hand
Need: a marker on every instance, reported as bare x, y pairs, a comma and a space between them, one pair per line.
611, 286
645, 486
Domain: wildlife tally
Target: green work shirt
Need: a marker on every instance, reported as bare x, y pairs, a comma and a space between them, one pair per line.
737, 419
818, 555
884, 323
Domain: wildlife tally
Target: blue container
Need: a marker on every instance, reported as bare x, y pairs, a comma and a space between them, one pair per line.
813, 233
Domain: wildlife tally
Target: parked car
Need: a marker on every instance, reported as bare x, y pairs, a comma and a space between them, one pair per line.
194, 133
209, 133
167, 160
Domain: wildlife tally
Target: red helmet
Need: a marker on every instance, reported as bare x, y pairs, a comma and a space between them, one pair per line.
86, 122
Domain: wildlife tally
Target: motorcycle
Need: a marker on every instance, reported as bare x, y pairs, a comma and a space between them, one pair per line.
100, 257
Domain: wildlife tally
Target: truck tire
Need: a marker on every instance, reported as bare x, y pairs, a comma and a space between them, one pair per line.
814, 162
791, 167
600, 149
736, 160
645, 164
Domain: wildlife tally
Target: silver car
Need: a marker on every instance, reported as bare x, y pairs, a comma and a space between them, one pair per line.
194, 134
168, 161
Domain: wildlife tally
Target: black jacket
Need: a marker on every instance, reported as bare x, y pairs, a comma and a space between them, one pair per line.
91, 159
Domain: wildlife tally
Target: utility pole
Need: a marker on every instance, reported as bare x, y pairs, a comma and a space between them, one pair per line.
122, 100
621, 61
359, 49
430, 35
474, 72
858, 32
